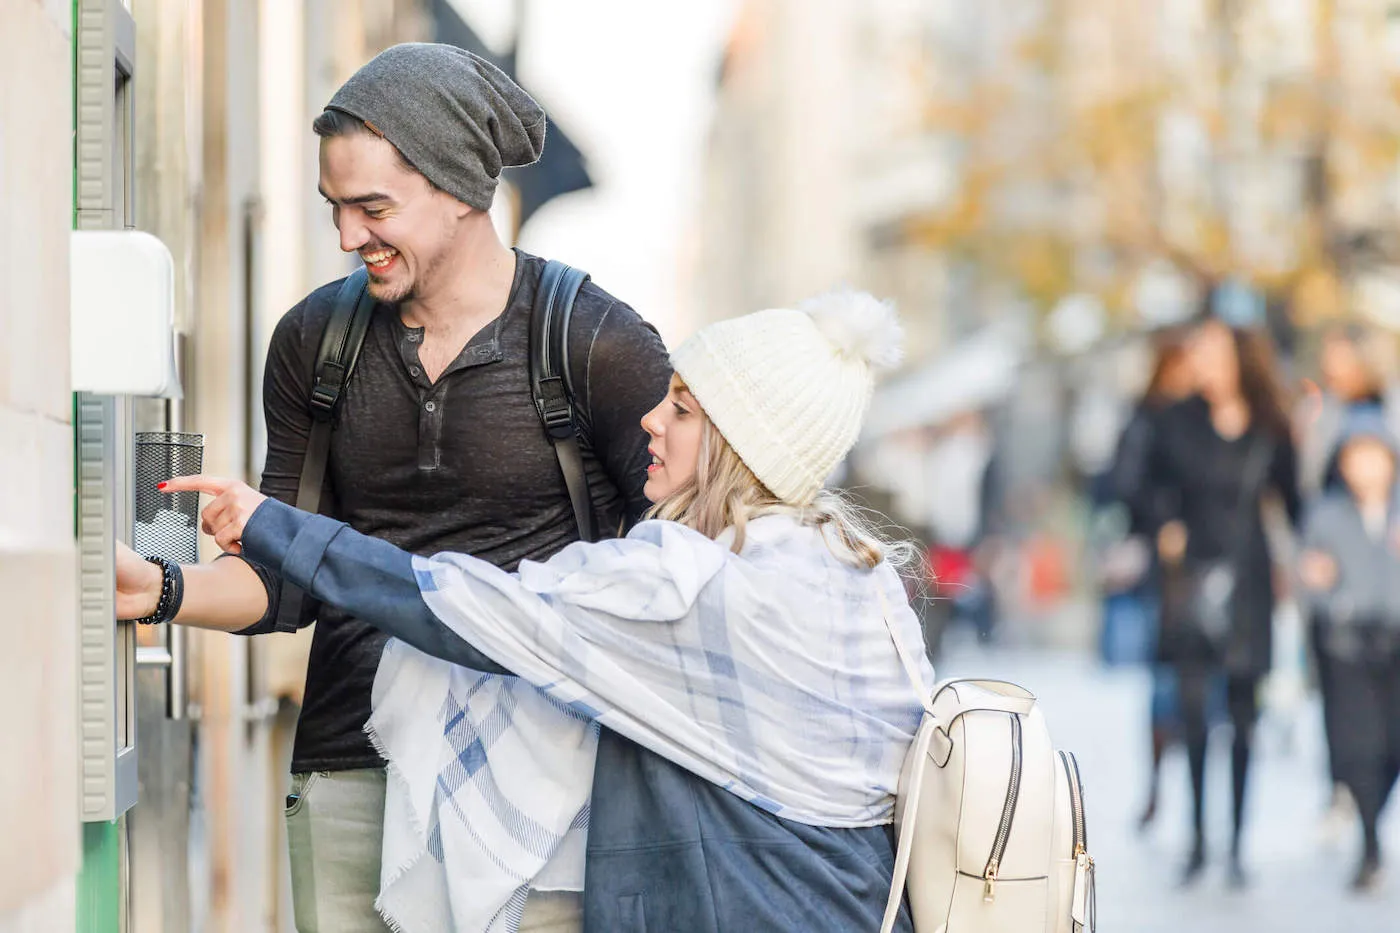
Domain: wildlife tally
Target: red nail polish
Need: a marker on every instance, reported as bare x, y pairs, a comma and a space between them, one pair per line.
161, 485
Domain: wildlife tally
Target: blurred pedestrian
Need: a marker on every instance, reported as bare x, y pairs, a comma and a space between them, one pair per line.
1350, 571
1354, 373
958, 462
1131, 575
1212, 460
1354, 380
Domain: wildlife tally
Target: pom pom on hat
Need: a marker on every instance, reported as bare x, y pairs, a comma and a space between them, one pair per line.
859, 326
788, 387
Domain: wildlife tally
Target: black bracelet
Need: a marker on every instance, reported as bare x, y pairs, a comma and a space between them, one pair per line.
172, 592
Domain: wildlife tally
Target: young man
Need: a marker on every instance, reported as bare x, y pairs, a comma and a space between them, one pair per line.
438, 446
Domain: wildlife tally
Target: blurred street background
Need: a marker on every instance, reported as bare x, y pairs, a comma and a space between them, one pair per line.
1043, 187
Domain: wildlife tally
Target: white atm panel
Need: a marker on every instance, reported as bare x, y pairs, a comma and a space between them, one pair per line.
123, 314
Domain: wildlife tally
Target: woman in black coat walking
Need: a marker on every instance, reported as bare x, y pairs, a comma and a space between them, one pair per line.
1214, 458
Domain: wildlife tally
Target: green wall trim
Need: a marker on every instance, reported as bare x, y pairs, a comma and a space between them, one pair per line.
99, 884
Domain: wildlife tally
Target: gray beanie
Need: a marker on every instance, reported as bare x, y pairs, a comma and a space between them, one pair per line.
454, 115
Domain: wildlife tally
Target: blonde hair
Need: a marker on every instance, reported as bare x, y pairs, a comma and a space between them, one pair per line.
724, 493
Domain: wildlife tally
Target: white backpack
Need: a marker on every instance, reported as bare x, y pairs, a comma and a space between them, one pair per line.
989, 818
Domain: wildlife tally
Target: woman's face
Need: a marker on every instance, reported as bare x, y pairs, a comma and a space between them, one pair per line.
676, 427
1214, 361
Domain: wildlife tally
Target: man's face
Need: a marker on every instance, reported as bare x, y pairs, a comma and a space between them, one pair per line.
401, 226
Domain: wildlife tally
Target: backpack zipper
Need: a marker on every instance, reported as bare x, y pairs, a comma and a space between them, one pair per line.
1076, 803
1013, 791
1083, 906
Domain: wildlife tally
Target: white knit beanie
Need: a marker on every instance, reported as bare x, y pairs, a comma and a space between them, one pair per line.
788, 388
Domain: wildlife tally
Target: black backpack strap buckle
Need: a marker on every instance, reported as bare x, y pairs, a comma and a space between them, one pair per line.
555, 408
325, 394
549, 383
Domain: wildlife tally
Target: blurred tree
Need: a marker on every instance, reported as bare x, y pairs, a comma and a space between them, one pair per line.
1250, 138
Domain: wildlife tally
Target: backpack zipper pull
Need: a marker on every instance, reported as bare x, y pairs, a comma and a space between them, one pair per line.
989, 893
1081, 907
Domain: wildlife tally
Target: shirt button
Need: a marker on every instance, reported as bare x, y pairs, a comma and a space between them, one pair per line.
413, 371
431, 406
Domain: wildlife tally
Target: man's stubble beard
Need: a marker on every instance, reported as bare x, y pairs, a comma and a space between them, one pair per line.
389, 294
413, 288
408, 291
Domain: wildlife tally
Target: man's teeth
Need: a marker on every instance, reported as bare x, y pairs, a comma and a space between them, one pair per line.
655, 460
381, 257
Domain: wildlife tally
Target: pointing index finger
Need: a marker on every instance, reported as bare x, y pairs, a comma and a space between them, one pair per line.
210, 485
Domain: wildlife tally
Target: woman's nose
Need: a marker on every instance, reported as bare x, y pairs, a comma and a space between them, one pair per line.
650, 423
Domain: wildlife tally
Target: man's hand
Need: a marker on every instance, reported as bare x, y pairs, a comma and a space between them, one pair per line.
138, 584
224, 518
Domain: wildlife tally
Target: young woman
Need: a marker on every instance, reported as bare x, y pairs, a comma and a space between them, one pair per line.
744, 653
1213, 460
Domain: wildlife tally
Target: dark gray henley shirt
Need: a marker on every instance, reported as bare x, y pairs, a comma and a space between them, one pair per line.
460, 464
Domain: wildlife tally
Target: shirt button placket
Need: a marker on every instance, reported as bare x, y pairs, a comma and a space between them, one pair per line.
428, 436
437, 429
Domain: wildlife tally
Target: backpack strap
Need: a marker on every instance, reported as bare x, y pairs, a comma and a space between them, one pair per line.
918, 755
550, 382
904, 830
335, 364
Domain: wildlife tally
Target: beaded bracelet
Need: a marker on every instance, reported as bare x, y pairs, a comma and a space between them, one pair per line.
172, 592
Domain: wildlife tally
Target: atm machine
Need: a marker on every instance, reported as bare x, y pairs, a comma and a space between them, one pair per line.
135, 737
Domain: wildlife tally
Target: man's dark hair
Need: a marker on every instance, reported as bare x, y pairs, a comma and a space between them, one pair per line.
333, 123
